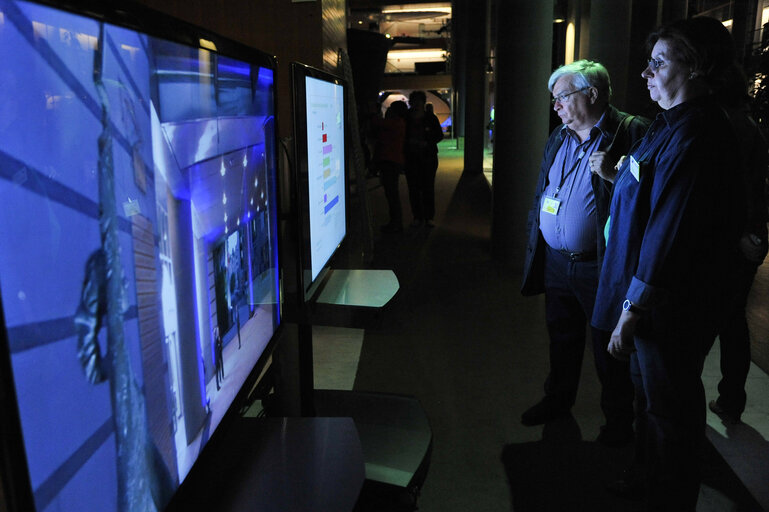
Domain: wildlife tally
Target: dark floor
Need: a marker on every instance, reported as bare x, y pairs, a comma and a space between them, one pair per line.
459, 337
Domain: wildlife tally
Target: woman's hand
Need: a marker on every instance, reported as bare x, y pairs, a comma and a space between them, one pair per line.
622, 343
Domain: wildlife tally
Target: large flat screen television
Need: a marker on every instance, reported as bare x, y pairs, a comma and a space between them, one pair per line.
139, 273
320, 166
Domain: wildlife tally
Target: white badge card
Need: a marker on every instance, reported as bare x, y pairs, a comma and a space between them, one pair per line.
635, 168
550, 205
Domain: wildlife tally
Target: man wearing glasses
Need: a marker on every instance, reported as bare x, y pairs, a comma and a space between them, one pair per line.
566, 242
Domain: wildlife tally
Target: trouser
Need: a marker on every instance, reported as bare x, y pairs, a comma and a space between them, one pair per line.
670, 425
735, 342
570, 289
389, 175
420, 178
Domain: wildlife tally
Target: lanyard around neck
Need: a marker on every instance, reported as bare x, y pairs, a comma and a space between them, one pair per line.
565, 174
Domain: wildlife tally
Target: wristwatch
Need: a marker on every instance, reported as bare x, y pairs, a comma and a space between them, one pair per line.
629, 306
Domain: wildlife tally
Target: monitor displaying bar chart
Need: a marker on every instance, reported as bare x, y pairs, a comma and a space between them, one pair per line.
320, 171
325, 152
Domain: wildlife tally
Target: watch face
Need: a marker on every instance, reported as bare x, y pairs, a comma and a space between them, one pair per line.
627, 305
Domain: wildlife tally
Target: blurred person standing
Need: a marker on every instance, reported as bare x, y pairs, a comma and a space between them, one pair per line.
734, 336
752, 158
566, 242
423, 132
390, 135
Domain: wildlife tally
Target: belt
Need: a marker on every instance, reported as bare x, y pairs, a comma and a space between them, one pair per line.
579, 256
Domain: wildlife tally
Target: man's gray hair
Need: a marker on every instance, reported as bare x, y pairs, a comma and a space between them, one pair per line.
583, 74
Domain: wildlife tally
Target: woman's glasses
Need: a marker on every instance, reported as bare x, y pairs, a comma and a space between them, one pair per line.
655, 64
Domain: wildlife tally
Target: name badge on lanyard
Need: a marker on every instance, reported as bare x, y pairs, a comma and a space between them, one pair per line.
551, 205
635, 168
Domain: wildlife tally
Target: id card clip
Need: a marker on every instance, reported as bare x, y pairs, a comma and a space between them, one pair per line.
551, 205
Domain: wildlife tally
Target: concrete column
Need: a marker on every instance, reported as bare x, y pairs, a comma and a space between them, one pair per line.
742, 28
671, 10
645, 14
582, 21
182, 243
524, 45
459, 36
610, 43
476, 85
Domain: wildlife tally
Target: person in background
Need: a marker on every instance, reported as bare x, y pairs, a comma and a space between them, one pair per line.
676, 218
566, 242
218, 358
390, 134
753, 159
423, 132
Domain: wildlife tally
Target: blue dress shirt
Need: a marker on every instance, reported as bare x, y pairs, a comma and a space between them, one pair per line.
673, 228
573, 228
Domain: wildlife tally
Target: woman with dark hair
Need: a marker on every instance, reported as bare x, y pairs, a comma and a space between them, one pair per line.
390, 157
676, 216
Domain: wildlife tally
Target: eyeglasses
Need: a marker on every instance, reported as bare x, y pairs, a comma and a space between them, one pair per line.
564, 98
655, 64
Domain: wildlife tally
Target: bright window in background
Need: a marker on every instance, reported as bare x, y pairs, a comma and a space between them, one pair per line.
404, 61
570, 34
423, 29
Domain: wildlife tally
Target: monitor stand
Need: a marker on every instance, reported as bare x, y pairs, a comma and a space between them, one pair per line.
395, 434
364, 288
277, 465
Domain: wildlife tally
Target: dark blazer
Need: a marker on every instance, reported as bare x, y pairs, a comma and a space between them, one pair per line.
627, 134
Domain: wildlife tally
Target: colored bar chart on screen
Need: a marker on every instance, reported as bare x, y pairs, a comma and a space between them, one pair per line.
331, 204
326, 149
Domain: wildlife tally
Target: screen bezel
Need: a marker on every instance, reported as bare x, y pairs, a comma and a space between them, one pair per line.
14, 473
16, 492
299, 73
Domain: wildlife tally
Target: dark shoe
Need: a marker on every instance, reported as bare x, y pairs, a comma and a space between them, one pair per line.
429, 223
416, 223
544, 411
615, 437
730, 417
629, 485
392, 228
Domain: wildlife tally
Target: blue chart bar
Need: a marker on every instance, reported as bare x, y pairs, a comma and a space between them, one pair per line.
329, 183
331, 204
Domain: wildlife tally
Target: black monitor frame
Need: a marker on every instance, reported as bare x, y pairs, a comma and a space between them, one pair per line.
16, 493
310, 286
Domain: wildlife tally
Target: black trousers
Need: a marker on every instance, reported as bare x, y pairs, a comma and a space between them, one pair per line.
420, 177
735, 342
670, 428
570, 289
389, 173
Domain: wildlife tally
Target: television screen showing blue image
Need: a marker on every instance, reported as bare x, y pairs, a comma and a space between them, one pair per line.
139, 272
321, 173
